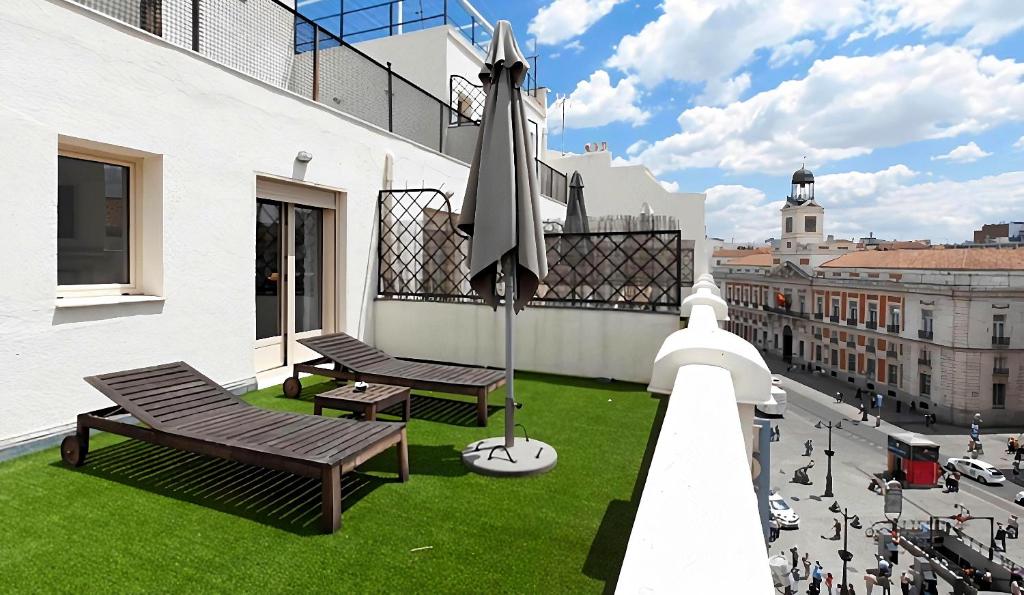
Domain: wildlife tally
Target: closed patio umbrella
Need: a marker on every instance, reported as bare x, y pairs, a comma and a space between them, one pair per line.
575, 248
501, 214
576, 210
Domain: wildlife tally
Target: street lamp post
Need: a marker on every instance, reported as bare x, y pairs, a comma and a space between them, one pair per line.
828, 472
845, 553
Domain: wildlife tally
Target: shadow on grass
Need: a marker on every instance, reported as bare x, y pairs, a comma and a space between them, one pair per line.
276, 498
608, 549
436, 460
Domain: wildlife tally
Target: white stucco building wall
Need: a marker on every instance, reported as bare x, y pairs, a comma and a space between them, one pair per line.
203, 133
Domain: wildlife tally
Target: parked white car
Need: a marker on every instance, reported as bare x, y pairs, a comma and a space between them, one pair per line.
976, 469
1019, 498
787, 517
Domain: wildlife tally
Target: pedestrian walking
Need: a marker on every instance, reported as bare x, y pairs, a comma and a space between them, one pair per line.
837, 529
1014, 588
778, 433
905, 583
1000, 537
816, 575
869, 583
808, 447
849, 590
886, 584
773, 529
884, 568
793, 555
807, 564
828, 582
863, 412
839, 397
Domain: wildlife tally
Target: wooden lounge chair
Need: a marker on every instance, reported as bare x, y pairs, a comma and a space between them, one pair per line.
355, 360
185, 410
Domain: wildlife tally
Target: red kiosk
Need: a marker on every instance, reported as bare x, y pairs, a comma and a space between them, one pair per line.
914, 460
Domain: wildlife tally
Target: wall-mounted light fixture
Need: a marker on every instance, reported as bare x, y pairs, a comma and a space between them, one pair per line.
304, 157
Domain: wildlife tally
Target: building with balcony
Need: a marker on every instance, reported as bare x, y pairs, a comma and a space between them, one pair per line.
928, 325
213, 181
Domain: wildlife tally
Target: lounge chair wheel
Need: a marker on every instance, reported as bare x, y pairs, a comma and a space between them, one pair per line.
292, 387
73, 450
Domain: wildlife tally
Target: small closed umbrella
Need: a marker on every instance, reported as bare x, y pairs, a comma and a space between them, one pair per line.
575, 248
576, 210
501, 214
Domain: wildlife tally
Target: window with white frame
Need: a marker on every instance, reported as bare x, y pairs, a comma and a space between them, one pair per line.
96, 214
926, 321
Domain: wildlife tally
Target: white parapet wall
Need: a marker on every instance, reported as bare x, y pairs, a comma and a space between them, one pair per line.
572, 341
713, 382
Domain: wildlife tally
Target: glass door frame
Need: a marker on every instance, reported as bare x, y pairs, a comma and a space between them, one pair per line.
290, 195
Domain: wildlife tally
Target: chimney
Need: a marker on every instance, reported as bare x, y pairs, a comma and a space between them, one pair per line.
586, 148
604, 145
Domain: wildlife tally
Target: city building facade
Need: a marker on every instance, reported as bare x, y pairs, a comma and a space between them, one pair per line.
929, 327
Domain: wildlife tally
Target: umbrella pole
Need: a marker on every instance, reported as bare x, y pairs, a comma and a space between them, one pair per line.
510, 399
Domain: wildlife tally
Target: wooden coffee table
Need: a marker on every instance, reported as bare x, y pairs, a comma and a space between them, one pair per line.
375, 398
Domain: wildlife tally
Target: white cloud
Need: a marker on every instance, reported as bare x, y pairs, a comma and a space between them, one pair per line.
709, 40
565, 19
740, 212
1019, 144
935, 210
893, 210
685, 43
789, 52
670, 186
596, 102
981, 22
848, 106
964, 154
849, 186
720, 92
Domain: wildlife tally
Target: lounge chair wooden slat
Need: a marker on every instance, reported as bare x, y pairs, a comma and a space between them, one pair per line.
359, 361
188, 411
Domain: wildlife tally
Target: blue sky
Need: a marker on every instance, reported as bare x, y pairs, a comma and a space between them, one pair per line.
726, 96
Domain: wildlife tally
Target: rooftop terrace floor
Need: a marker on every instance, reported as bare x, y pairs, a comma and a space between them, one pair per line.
139, 517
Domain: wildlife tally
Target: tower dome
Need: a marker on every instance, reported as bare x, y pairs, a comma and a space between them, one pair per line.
803, 186
803, 176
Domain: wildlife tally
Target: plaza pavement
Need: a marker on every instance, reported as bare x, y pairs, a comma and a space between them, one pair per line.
860, 452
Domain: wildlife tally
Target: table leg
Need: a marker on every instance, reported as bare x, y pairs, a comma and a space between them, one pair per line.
371, 413
317, 409
407, 410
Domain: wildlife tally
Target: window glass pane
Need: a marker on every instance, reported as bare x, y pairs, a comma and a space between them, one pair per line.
92, 222
308, 269
268, 269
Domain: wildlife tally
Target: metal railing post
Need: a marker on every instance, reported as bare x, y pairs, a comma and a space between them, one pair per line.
391, 18
195, 25
445, 12
472, 30
391, 102
316, 62
440, 127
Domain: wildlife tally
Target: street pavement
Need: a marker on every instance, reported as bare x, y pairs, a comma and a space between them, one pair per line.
860, 452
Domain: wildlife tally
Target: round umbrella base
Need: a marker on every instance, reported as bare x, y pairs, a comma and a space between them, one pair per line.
526, 457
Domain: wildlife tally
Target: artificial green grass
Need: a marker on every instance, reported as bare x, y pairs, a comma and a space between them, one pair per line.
139, 518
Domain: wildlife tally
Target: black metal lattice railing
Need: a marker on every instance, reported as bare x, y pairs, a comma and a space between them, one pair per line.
422, 256
466, 100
